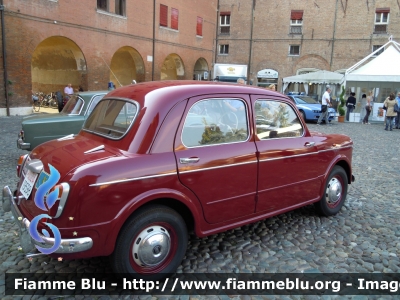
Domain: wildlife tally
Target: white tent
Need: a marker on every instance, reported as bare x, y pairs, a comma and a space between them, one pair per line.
378, 72
318, 77
383, 68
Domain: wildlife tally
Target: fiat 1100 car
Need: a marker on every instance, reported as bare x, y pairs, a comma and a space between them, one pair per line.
156, 160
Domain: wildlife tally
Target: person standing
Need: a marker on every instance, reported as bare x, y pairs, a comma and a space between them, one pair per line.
368, 107
241, 81
390, 113
397, 120
326, 102
68, 90
350, 104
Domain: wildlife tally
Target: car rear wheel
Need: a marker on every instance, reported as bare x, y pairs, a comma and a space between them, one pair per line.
151, 244
335, 192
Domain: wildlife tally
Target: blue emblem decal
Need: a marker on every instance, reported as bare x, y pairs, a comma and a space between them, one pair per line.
45, 188
42, 192
36, 236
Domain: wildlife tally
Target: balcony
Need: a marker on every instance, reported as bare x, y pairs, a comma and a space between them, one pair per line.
296, 30
380, 29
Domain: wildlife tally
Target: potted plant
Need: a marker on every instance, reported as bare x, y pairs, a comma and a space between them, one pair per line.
341, 109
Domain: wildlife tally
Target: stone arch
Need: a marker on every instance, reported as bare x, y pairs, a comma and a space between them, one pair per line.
312, 61
57, 61
200, 67
172, 68
126, 65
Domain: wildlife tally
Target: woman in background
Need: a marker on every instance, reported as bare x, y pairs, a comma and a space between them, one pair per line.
390, 113
368, 107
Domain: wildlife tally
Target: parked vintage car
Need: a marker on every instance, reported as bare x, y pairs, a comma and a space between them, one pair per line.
310, 108
158, 159
40, 128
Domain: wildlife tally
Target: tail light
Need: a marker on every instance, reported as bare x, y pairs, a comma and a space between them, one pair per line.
21, 134
20, 165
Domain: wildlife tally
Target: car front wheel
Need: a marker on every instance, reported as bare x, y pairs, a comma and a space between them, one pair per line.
335, 192
151, 244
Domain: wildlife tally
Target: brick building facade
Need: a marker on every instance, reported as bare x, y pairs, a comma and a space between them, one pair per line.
294, 37
50, 43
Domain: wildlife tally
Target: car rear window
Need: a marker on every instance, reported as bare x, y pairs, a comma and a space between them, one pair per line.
111, 118
73, 106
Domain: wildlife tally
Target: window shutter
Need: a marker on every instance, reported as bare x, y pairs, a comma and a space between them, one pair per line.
383, 10
296, 15
199, 27
174, 18
163, 15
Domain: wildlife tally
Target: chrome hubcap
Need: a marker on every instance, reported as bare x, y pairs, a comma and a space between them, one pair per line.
333, 191
151, 246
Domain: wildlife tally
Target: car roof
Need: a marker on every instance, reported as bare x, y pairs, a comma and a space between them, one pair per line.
183, 89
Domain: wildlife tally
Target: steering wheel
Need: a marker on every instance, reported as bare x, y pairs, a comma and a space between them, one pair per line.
232, 119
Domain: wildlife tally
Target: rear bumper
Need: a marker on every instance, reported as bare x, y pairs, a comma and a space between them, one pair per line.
22, 145
27, 243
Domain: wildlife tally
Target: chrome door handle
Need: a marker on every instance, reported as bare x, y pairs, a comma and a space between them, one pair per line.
189, 160
309, 144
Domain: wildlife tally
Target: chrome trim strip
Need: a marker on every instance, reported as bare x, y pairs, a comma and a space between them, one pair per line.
95, 149
291, 156
219, 167
67, 245
66, 137
131, 179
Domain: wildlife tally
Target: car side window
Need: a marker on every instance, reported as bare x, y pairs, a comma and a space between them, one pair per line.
94, 102
275, 119
215, 121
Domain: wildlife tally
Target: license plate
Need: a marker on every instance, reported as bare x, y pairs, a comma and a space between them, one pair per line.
28, 183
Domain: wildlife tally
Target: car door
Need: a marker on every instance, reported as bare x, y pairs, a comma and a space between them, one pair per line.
216, 156
287, 156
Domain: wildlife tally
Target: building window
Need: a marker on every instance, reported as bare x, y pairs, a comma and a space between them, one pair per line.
174, 18
102, 4
163, 15
199, 27
376, 47
120, 7
381, 20
296, 22
294, 50
223, 49
225, 22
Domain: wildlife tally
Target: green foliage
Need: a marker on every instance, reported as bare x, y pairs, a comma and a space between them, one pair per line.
341, 109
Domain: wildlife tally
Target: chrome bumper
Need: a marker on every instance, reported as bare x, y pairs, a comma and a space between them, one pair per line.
27, 243
22, 145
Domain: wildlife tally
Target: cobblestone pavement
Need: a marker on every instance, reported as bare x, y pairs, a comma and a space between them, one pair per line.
362, 238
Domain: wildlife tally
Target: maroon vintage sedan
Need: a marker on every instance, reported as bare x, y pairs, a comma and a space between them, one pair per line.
157, 159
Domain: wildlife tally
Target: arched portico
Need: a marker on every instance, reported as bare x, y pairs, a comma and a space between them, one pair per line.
172, 68
126, 65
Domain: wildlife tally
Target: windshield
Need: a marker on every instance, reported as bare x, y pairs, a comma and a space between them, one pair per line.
111, 118
306, 100
73, 106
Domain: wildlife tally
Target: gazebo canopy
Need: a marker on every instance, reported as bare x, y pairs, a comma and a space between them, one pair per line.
318, 77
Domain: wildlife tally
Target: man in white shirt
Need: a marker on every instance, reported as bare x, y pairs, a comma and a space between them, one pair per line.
68, 90
326, 103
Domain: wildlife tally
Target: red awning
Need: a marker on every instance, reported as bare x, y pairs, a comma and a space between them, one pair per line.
296, 15
225, 13
383, 10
